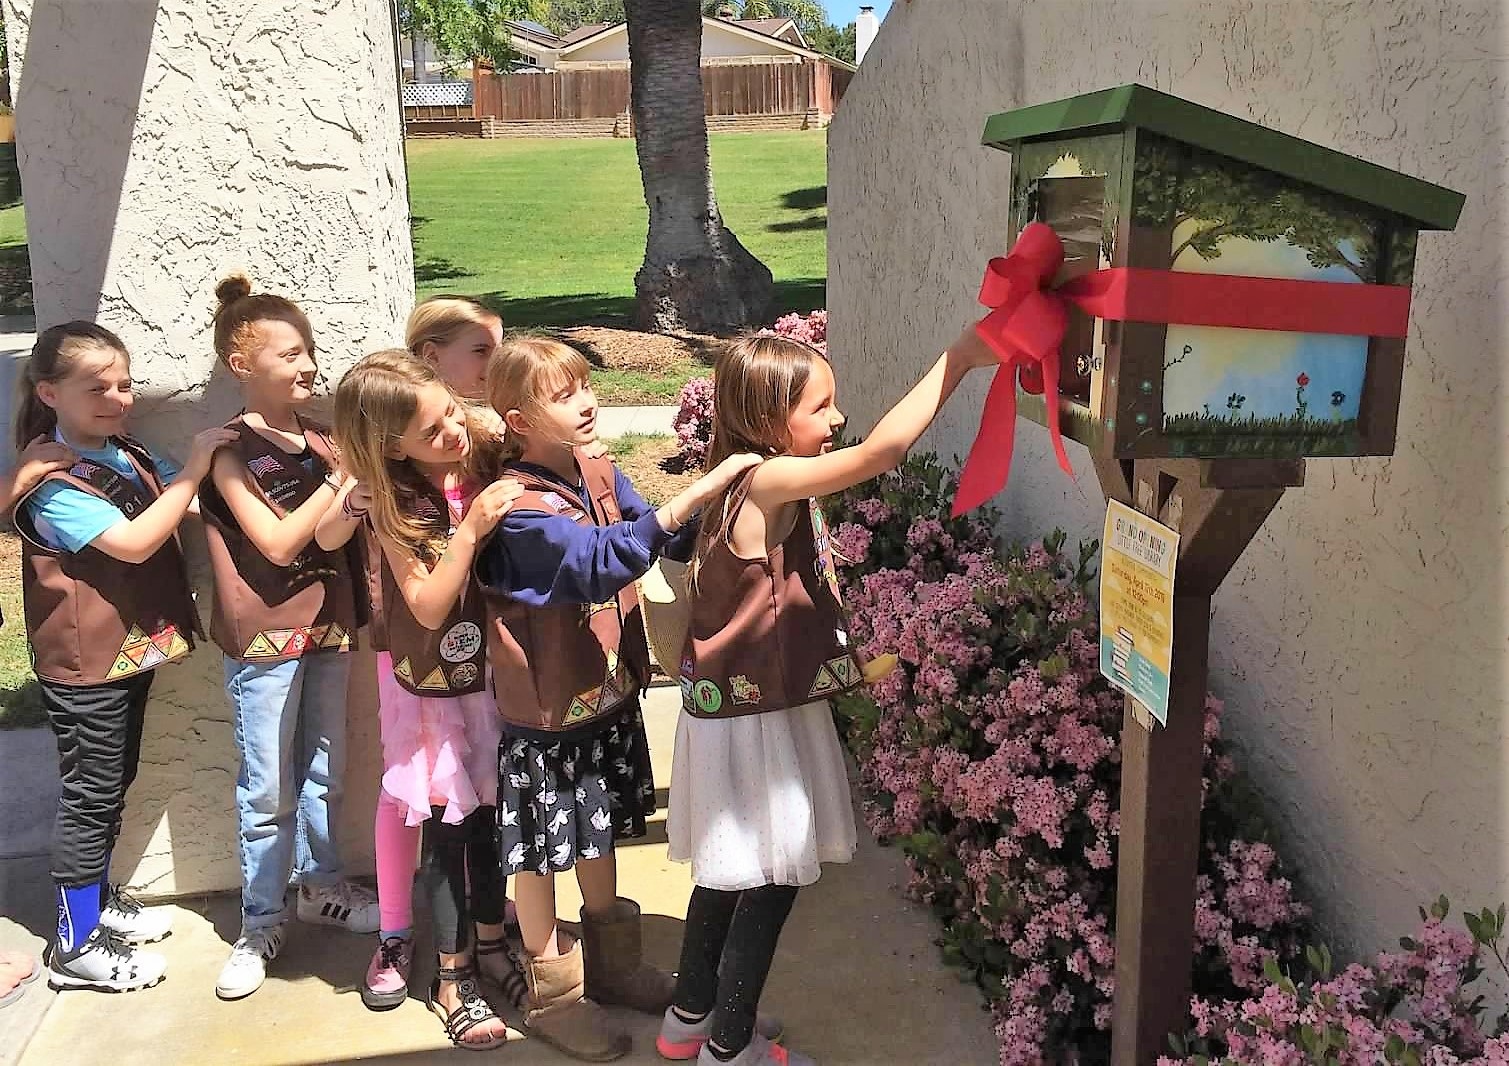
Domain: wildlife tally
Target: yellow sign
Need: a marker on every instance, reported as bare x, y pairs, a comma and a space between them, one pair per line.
1137, 606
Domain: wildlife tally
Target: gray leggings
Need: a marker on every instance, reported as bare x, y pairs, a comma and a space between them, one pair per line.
449, 853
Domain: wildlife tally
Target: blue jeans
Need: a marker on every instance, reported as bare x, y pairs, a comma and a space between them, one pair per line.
291, 733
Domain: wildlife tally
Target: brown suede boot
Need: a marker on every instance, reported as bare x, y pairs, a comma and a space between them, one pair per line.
617, 974
558, 1014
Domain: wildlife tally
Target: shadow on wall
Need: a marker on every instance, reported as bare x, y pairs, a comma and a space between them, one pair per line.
63, 38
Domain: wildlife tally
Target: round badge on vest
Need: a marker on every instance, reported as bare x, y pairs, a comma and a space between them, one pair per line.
707, 697
461, 642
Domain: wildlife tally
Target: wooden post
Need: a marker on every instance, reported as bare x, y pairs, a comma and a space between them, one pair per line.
1217, 507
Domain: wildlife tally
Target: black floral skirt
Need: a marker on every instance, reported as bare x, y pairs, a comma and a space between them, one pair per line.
560, 800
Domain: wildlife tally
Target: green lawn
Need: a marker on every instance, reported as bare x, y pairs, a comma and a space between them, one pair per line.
552, 231
15, 268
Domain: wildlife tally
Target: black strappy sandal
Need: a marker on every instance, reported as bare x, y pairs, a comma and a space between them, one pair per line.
474, 1010
513, 986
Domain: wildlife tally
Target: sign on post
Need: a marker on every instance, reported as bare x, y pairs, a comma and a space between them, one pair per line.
1137, 606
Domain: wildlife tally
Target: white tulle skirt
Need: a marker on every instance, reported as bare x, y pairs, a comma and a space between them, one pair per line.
761, 799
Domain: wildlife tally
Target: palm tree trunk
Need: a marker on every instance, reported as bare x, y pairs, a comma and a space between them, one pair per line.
696, 275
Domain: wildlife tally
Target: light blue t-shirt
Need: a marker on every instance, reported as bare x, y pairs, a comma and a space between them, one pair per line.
68, 518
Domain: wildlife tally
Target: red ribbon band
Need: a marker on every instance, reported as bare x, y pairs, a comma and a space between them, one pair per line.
1028, 319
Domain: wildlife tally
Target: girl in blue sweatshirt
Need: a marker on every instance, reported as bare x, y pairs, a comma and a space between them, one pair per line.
567, 649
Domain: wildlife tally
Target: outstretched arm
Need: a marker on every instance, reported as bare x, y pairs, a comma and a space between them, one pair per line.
791, 477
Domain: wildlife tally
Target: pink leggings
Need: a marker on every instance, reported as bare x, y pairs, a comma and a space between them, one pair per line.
397, 847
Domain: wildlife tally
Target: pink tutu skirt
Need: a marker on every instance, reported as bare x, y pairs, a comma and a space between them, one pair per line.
437, 752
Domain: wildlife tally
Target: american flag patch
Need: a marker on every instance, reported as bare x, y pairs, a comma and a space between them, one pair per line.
263, 465
84, 469
559, 502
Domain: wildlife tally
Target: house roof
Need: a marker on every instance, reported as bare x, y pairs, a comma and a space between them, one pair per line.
534, 32
1137, 106
772, 27
581, 33
580, 37
534, 27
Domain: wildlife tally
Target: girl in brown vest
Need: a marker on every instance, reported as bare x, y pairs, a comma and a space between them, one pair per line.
285, 616
107, 601
759, 793
568, 654
428, 469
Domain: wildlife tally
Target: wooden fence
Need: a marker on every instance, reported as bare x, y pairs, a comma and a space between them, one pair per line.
732, 89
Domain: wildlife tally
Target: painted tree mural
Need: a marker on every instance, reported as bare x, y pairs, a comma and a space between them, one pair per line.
1225, 198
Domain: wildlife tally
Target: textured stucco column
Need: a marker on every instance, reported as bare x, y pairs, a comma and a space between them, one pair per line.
163, 143
1361, 639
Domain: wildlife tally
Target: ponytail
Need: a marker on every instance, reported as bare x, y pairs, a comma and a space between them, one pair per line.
54, 356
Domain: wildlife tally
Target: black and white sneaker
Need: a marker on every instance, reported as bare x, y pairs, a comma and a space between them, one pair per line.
132, 922
342, 904
107, 964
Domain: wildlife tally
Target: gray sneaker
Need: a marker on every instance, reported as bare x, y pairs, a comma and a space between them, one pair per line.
246, 969
132, 922
679, 1040
107, 964
760, 1052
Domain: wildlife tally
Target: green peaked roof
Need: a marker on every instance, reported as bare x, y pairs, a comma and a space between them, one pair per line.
1129, 106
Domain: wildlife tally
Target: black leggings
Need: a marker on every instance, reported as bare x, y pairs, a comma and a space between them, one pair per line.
726, 955
98, 730
449, 852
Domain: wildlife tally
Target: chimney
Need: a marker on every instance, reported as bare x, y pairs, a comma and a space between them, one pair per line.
866, 26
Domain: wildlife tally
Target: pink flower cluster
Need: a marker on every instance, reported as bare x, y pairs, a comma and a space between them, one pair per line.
811, 330
1409, 1007
693, 421
992, 756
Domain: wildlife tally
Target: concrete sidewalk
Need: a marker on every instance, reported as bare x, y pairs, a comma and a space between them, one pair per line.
857, 980
614, 422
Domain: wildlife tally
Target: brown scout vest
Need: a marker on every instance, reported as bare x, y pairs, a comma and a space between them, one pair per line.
767, 634
444, 662
267, 613
91, 618
561, 668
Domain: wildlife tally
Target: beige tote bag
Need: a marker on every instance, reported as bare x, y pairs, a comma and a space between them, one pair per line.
667, 606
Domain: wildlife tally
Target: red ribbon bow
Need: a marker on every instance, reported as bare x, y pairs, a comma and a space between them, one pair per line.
1024, 329
1028, 319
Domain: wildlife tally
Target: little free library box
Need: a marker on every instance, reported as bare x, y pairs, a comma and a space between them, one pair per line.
1205, 304
1231, 291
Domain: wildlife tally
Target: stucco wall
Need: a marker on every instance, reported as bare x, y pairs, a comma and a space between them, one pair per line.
163, 143
1361, 640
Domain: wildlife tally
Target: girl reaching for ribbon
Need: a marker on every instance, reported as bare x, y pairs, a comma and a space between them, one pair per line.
759, 794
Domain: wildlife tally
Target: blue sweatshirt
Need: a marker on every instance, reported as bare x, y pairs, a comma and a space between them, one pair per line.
545, 560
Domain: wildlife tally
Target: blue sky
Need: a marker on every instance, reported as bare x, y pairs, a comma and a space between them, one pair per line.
842, 12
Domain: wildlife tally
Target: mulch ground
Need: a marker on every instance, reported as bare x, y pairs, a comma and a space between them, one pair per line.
652, 464
627, 349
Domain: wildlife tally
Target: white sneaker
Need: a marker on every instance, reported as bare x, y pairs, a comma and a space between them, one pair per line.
347, 906
134, 923
246, 969
107, 964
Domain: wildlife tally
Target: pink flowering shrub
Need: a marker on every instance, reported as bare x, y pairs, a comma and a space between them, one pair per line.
991, 755
811, 330
1412, 1007
693, 421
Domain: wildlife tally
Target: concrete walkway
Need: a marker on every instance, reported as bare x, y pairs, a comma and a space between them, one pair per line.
613, 422
857, 980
